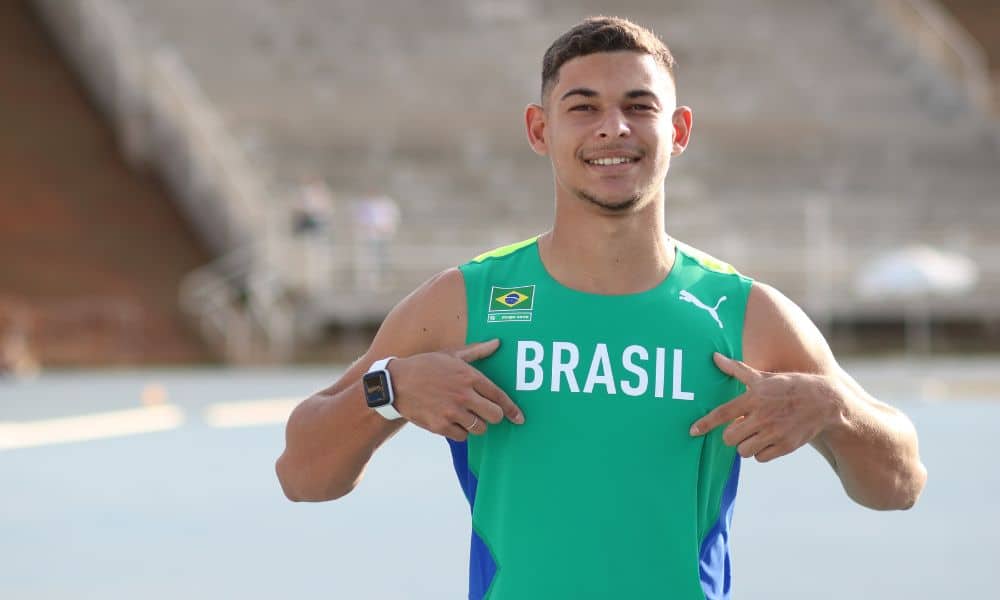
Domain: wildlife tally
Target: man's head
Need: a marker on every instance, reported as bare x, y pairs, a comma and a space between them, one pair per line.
602, 34
608, 118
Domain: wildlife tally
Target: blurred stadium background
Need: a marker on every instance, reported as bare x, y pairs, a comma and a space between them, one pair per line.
186, 182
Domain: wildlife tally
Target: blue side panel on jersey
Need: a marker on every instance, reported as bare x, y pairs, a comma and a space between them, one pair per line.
482, 567
460, 458
716, 575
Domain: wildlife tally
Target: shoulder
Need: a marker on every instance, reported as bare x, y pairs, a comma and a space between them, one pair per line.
777, 333
504, 266
706, 261
430, 318
499, 255
700, 272
779, 336
711, 268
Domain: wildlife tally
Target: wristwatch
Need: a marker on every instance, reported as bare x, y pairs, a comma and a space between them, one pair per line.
378, 389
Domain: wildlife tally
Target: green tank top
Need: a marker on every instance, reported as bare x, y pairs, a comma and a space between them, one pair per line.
602, 493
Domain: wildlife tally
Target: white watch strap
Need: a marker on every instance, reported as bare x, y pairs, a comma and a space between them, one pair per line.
388, 410
380, 364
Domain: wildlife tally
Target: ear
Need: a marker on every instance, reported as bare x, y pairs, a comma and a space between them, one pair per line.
682, 129
534, 121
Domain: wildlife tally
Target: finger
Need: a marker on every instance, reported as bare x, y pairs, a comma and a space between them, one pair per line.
456, 433
486, 409
737, 368
740, 429
770, 453
475, 425
492, 392
724, 413
474, 352
753, 445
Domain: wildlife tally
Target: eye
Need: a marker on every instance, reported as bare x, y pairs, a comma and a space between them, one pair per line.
640, 107
582, 107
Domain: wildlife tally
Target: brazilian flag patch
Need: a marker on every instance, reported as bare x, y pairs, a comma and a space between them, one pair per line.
511, 304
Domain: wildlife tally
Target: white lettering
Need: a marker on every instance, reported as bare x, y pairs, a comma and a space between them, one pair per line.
678, 371
565, 357
602, 363
535, 365
627, 387
560, 367
661, 359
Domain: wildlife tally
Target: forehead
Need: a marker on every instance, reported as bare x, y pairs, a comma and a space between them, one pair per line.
614, 73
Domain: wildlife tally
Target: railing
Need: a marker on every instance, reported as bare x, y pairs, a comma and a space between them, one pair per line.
941, 40
163, 118
239, 304
210, 163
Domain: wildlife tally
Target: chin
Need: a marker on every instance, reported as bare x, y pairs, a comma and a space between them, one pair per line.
617, 205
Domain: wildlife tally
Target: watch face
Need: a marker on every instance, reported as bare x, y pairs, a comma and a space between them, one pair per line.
376, 389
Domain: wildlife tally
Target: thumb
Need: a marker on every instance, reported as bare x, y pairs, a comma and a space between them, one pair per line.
474, 352
738, 369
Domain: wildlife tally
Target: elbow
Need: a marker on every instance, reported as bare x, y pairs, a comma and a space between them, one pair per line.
295, 486
901, 494
909, 486
915, 486
283, 470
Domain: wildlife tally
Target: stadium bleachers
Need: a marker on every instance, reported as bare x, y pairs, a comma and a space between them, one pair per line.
821, 137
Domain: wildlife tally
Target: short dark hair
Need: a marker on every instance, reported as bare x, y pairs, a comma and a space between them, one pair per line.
602, 34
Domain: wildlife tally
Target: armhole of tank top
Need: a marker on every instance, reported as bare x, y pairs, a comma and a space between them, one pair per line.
746, 286
469, 300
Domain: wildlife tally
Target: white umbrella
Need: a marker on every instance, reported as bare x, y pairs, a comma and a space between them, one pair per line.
917, 271
914, 274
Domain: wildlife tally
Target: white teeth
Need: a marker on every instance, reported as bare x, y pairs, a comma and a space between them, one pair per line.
610, 161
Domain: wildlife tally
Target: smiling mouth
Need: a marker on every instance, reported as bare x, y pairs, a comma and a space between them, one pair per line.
618, 160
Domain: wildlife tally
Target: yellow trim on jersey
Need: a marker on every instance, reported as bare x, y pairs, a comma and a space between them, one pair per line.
707, 260
504, 250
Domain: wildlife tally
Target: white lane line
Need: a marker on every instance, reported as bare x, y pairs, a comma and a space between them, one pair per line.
65, 430
249, 413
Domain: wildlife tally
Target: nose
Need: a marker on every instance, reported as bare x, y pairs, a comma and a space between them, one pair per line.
614, 124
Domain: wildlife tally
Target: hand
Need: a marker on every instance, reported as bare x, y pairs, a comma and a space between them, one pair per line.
442, 393
779, 412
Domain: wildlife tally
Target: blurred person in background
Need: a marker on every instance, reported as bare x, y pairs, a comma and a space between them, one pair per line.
313, 217
376, 219
600, 383
313, 212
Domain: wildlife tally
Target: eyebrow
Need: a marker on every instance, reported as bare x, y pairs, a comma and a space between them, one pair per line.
641, 94
585, 92
589, 93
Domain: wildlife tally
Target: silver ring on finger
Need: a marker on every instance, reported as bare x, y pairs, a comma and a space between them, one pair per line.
475, 421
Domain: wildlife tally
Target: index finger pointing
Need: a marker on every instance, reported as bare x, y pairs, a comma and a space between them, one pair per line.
474, 352
491, 391
724, 413
743, 372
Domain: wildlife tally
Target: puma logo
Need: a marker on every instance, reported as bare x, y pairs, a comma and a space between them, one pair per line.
689, 297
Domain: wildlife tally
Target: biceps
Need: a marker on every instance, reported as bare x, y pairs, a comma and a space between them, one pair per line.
780, 337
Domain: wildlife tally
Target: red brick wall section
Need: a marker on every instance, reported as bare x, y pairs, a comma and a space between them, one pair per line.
91, 253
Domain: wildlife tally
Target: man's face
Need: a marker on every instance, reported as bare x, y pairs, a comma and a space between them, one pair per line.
609, 125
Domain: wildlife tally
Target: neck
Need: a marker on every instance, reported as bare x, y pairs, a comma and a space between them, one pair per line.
595, 251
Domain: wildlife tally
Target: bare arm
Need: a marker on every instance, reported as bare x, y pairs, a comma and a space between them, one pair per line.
331, 436
797, 393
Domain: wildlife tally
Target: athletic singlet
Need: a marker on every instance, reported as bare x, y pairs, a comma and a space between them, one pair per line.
602, 493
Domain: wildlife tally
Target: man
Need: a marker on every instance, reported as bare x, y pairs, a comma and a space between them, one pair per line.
619, 374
